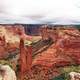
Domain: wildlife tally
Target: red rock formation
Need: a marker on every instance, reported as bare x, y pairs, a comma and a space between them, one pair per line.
65, 51
10, 41
25, 61
48, 33
2, 46
44, 33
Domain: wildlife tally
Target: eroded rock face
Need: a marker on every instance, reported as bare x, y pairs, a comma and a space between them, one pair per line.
10, 32
69, 43
74, 76
64, 51
10, 38
7, 73
25, 59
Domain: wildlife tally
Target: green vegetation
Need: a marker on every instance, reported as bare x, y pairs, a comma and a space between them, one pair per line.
5, 62
70, 69
27, 42
60, 77
65, 72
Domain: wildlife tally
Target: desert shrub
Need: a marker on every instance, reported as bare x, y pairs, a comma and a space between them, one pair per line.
6, 62
67, 70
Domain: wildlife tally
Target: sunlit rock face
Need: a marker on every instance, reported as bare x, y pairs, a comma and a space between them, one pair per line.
64, 51
74, 76
71, 44
7, 73
10, 38
25, 59
12, 32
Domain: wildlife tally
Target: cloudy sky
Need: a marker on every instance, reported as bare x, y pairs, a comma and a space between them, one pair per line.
40, 11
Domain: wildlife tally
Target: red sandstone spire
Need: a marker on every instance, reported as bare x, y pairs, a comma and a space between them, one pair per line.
25, 58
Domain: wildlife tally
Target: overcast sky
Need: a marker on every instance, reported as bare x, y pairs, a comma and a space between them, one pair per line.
40, 11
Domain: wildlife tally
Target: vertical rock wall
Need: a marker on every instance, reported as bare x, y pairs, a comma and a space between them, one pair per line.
25, 60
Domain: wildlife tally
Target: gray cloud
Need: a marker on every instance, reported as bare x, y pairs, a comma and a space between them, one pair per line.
42, 11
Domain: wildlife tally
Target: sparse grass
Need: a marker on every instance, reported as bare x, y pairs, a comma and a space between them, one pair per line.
27, 42
65, 72
5, 62
70, 69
